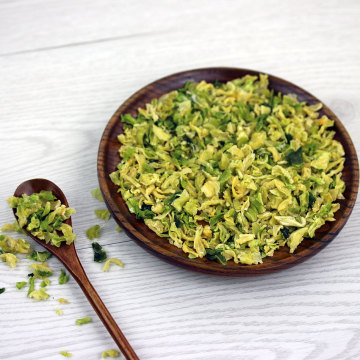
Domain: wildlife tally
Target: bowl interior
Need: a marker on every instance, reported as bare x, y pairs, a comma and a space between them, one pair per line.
108, 158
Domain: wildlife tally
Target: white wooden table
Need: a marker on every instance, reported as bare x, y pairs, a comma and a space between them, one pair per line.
65, 66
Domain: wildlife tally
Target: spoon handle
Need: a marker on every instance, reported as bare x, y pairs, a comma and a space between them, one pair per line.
77, 271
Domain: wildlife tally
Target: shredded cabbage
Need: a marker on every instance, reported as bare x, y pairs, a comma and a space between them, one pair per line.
93, 232
63, 301
10, 259
10, 245
65, 353
43, 215
12, 227
41, 271
59, 311
46, 282
63, 278
20, 284
83, 321
39, 295
110, 353
112, 260
103, 214
96, 193
230, 171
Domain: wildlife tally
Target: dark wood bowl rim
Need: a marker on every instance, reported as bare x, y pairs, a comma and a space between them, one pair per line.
155, 89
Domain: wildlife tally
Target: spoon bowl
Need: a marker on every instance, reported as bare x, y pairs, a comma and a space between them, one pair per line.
63, 253
68, 256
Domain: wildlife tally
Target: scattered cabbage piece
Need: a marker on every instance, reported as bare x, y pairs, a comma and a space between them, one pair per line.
99, 254
96, 193
21, 284
110, 353
10, 259
43, 215
11, 245
63, 301
118, 228
103, 214
63, 278
93, 232
31, 284
45, 283
59, 311
83, 321
41, 271
7, 227
40, 256
230, 171
2, 290
39, 295
112, 260
65, 353
12, 227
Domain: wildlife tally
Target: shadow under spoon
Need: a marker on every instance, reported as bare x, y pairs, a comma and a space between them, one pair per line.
68, 256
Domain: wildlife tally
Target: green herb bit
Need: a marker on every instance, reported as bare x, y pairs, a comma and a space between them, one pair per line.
2, 290
99, 253
103, 214
83, 321
65, 353
63, 278
93, 232
21, 284
40, 256
97, 194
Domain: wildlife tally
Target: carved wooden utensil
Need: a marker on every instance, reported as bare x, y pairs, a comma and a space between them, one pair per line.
67, 255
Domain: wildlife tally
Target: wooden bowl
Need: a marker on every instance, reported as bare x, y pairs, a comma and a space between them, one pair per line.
108, 158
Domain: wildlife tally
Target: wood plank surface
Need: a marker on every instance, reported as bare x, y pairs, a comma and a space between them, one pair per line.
65, 67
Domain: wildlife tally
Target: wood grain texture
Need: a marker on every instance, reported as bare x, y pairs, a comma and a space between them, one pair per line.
65, 68
108, 158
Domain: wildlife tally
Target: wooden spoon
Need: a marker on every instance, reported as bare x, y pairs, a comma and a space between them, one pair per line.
67, 255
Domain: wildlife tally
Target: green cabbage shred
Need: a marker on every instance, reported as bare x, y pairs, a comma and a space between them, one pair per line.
44, 216
93, 232
63, 278
83, 321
